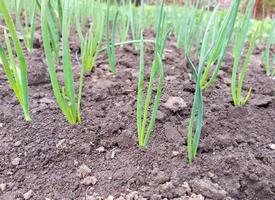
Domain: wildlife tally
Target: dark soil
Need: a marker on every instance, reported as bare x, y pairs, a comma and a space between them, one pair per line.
50, 160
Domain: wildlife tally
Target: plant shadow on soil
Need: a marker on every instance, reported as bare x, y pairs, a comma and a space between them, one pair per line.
234, 161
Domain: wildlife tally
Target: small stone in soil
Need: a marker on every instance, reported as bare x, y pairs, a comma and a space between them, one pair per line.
100, 149
89, 180
61, 145
3, 187
47, 100
196, 197
83, 171
110, 197
15, 161
76, 163
272, 146
17, 144
175, 104
28, 195
175, 153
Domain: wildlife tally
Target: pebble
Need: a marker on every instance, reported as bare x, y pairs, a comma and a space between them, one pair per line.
3, 187
175, 153
61, 145
15, 161
47, 100
175, 104
101, 149
76, 163
110, 197
89, 180
28, 195
111, 154
83, 171
272, 146
196, 197
1, 125
17, 144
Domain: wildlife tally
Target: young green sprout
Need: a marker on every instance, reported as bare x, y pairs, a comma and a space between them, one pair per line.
219, 45
110, 44
188, 28
17, 75
65, 96
91, 43
267, 54
237, 82
157, 74
123, 22
28, 8
207, 54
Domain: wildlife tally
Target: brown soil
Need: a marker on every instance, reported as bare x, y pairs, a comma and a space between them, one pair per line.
236, 159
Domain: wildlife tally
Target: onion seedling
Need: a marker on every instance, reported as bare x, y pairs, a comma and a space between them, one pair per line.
219, 45
28, 8
52, 27
17, 76
196, 118
237, 82
157, 74
91, 43
207, 54
267, 61
65, 96
123, 21
188, 29
110, 44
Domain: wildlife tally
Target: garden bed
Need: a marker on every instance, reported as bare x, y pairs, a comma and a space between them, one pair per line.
49, 159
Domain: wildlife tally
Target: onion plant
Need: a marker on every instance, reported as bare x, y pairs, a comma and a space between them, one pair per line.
145, 125
196, 118
219, 44
16, 72
123, 22
239, 43
208, 52
132, 14
188, 28
27, 29
110, 43
65, 95
52, 26
92, 42
267, 60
